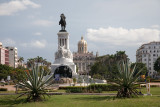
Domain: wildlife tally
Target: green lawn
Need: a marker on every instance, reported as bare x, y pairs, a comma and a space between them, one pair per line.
86, 101
83, 101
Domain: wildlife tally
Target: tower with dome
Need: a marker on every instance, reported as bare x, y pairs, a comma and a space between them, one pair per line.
83, 58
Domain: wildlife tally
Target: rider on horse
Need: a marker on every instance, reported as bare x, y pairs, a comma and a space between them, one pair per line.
62, 22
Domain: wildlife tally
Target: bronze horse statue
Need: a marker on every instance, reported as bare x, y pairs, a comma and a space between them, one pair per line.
62, 22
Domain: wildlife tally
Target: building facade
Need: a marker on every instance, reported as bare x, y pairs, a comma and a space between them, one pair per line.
4, 55
13, 56
148, 54
82, 58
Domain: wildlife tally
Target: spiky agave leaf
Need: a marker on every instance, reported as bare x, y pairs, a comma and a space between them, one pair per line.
125, 79
35, 84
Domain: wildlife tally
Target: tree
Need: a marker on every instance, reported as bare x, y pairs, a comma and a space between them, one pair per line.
157, 65
126, 78
140, 66
35, 82
20, 60
106, 64
5, 70
38, 60
17, 75
30, 62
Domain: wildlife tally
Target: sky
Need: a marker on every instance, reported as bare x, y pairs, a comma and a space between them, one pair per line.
107, 25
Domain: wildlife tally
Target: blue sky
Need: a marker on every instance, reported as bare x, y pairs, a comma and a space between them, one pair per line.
107, 25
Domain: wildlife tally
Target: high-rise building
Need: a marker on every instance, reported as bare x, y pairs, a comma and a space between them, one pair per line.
83, 59
148, 54
13, 56
4, 55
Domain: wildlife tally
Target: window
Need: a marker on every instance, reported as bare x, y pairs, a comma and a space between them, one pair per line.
154, 55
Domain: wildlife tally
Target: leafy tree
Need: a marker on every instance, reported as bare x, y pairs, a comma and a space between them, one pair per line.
5, 70
106, 64
125, 78
140, 66
17, 75
157, 65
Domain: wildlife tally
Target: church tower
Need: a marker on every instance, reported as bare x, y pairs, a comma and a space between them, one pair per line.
82, 46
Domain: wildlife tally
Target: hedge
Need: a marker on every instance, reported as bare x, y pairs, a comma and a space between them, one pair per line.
72, 87
3, 89
91, 88
103, 87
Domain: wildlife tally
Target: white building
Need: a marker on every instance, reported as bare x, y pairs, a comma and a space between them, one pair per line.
83, 59
13, 56
148, 54
4, 55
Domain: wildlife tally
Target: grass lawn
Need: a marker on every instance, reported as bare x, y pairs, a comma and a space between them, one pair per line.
86, 101
83, 101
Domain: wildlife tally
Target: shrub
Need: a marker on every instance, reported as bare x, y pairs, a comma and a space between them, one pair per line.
70, 87
74, 90
99, 90
3, 89
103, 87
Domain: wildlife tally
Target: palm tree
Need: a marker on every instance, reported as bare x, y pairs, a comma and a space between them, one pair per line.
35, 83
20, 60
126, 78
30, 62
38, 60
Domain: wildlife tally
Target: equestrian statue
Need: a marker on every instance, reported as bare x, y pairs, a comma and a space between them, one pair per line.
62, 22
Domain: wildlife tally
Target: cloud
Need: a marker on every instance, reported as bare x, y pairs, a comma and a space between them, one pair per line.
38, 34
155, 26
44, 23
35, 44
123, 37
8, 42
14, 6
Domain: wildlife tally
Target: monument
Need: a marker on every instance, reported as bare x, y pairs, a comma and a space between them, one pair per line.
63, 66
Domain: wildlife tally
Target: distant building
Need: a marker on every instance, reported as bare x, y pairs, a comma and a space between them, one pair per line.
13, 56
83, 59
148, 54
4, 55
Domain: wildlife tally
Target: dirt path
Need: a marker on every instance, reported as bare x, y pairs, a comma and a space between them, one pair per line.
9, 87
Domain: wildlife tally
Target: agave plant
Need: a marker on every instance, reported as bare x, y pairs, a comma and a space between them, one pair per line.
126, 78
35, 84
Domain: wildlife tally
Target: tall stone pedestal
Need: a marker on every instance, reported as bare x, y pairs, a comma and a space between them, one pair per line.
63, 65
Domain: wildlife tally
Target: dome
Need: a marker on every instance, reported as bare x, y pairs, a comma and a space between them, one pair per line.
82, 42
82, 46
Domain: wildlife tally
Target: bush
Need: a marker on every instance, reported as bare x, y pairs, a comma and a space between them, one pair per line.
103, 87
99, 90
70, 87
74, 90
3, 89
96, 88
